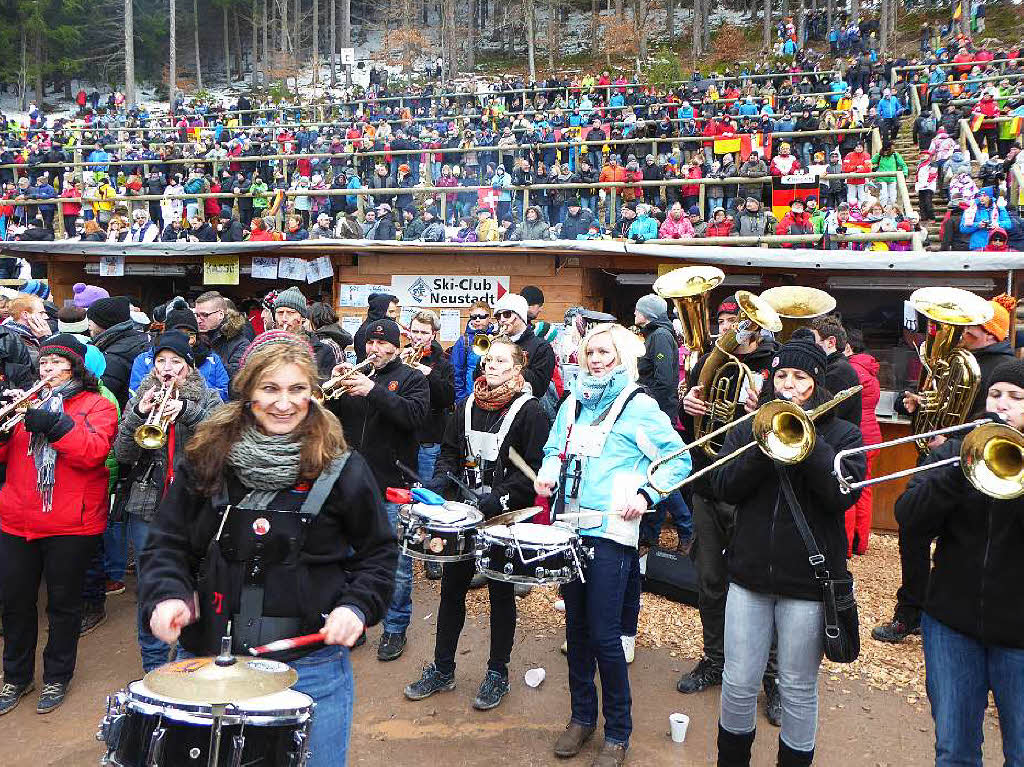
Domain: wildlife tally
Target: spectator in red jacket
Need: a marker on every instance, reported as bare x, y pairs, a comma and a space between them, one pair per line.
53, 511
858, 516
720, 225
998, 241
784, 163
691, 192
796, 221
857, 161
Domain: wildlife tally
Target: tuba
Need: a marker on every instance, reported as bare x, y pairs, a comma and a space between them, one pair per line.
723, 375
950, 377
797, 306
688, 288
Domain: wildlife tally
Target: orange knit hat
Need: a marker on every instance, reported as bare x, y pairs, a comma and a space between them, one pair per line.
999, 325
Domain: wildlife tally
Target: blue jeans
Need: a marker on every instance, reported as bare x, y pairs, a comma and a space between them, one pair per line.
154, 652
396, 621
750, 617
325, 675
115, 551
426, 458
593, 631
960, 672
682, 518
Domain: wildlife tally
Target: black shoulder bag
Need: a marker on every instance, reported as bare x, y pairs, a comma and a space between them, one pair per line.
842, 627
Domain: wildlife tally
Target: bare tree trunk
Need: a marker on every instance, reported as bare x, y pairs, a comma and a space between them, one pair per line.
801, 21
297, 35
239, 57
227, 49
334, 43
530, 39
195, 38
552, 36
316, 42
697, 32
129, 53
283, 16
965, 18
40, 57
255, 81
830, 12
172, 84
766, 37
707, 24
267, 55
595, 25
670, 18
471, 36
23, 72
855, 11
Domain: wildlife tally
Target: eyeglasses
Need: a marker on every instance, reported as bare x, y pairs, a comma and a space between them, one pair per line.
204, 315
479, 316
504, 314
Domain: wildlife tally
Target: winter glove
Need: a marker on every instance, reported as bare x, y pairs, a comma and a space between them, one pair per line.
639, 240
54, 424
491, 506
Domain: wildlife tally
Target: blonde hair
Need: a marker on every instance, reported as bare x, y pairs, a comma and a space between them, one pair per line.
628, 347
24, 303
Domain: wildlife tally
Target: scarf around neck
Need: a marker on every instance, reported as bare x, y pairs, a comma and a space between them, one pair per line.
43, 453
265, 461
498, 397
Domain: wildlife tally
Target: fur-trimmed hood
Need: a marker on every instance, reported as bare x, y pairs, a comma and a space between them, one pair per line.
233, 324
193, 389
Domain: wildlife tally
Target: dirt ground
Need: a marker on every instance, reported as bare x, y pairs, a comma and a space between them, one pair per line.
859, 725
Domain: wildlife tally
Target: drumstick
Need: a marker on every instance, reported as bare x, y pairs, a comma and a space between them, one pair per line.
521, 464
287, 644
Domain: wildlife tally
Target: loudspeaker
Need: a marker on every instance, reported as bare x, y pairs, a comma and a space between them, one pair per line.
671, 575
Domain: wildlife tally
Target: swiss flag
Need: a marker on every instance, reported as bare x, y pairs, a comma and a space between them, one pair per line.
488, 198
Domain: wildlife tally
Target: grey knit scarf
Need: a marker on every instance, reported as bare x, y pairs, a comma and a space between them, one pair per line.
265, 461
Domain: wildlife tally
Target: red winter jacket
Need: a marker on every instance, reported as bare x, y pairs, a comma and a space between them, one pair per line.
866, 368
80, 494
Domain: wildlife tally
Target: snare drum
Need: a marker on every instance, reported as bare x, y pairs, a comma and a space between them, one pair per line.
439, 533
144, 729
530, 554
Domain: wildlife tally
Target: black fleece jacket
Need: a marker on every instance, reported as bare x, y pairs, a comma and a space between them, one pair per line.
658, 369
510, 488
977, 568
383, 424
839, 375
441, 383
767, 554
350, 553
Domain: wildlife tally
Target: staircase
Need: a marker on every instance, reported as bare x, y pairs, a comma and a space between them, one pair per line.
907, 148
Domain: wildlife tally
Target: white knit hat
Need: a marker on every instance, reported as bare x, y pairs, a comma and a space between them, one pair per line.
513, 302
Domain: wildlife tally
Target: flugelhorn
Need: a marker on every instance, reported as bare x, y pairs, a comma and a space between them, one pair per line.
991, 457
782, 431
152, 435
335, 387
797, 306
13, 413
688, 288
723, 375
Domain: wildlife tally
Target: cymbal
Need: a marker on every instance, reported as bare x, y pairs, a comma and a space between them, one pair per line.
511, 517
202, 680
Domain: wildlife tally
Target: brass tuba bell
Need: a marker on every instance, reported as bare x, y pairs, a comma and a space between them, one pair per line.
797, 306
688, 288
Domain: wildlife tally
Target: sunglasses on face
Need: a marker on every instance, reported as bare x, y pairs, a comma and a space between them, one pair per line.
504, 315
479, 316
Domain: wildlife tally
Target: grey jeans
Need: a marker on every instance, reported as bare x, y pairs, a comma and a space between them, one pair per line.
750, 618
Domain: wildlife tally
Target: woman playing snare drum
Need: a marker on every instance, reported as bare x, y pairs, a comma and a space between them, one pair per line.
500, 414
604, 438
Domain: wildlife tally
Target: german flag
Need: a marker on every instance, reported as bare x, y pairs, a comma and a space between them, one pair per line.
1015, 126
728, 144
789, 188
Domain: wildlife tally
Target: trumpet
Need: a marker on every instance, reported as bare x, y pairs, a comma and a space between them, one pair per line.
14, 413
482, 343
782, 431
152, 435
413, 353
335, 387
991, 457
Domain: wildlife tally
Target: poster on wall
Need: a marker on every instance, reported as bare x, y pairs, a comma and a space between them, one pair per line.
357, 295
447, 290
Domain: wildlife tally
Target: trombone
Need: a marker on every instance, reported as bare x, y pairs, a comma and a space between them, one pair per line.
335, 387
152, 435
782, 431
991, 456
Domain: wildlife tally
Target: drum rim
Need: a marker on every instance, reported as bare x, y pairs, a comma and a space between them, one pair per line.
526, 580
493, 538
187, 712
417, 554
422, 520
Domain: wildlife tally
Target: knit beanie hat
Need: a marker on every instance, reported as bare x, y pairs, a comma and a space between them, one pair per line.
36, 288
384, 330
729, 305
512, 302
292, 299
64, 345
652, 306
86, 295
999, 325
1011, 372
803, 354
272, 337
179, 317
177, 342
107, 312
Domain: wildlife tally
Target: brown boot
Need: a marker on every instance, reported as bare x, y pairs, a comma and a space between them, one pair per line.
612, 755
571, 741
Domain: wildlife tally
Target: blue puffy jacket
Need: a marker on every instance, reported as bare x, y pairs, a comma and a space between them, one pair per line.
889, 107
979, 234
645, 227
464, 360
640, 434
212, 370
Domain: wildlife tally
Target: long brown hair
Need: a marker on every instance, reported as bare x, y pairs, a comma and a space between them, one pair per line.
320, 433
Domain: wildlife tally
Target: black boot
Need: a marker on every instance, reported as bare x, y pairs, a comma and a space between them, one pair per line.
790, 757
734, 750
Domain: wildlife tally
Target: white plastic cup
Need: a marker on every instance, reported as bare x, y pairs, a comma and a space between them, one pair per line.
534, 677
677, 724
